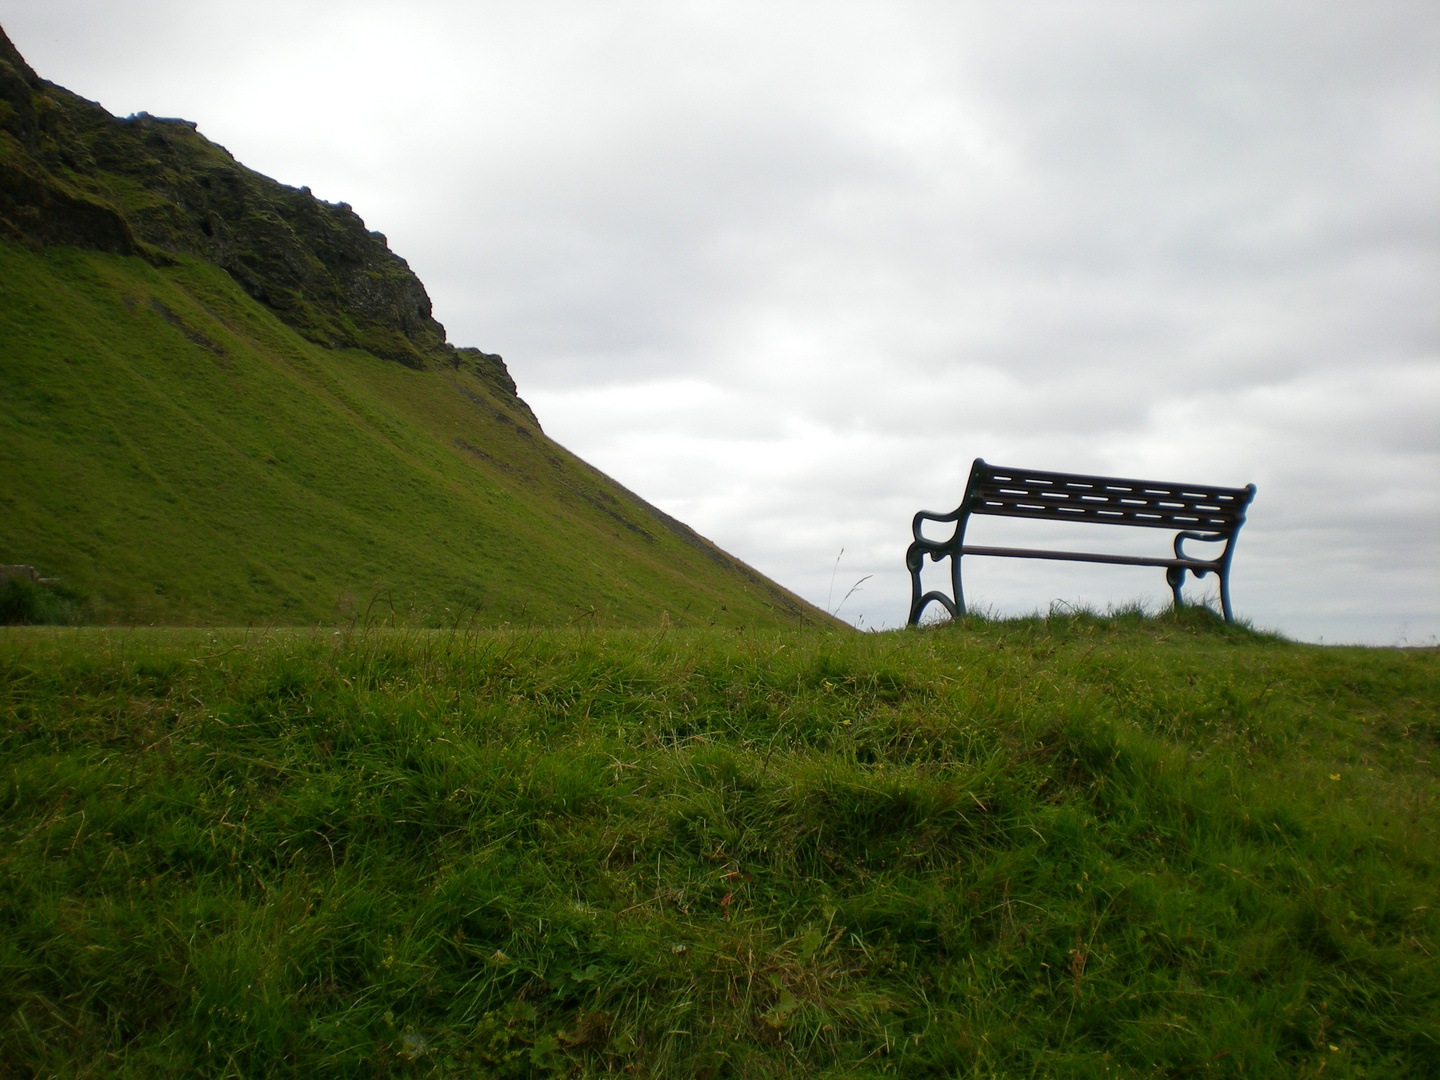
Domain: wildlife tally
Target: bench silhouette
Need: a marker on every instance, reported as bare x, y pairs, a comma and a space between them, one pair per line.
1198, 511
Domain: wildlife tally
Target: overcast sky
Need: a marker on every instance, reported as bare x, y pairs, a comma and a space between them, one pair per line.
784, 269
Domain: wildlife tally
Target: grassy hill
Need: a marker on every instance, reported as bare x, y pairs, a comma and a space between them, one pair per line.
1064, 848
175, 450
225, 401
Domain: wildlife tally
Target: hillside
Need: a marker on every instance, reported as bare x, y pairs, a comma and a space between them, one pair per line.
228, 401
1044, 848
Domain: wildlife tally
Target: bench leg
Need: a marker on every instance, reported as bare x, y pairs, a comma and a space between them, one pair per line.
1175, 576
915, 556
914, 559
939, 598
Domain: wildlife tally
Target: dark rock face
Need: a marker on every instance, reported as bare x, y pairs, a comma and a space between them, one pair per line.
313, 262
70, 173
34, 203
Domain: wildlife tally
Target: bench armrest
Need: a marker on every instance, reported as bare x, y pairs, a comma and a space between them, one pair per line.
930, 515
1204, 537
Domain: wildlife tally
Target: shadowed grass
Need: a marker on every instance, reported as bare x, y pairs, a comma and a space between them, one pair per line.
1065, 846
27, 603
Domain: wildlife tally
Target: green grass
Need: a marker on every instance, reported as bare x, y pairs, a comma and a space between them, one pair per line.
28, 603
177, 454
1064, 847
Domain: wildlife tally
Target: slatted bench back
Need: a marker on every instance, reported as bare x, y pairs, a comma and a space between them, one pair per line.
1030, 493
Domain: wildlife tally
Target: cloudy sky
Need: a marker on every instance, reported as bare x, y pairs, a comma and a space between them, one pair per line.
786, 268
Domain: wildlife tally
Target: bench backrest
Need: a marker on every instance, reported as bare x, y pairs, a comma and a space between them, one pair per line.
1033, 493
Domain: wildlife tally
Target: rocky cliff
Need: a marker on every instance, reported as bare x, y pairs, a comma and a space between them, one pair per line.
71, 173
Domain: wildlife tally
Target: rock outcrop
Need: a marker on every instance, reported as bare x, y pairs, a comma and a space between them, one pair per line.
71, 173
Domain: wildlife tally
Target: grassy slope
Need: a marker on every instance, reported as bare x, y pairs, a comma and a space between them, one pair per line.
1041, 848
170, 447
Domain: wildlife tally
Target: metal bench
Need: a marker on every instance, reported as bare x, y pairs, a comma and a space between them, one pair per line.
1198, 511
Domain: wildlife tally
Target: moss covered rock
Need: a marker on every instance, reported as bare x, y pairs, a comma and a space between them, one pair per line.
71, 173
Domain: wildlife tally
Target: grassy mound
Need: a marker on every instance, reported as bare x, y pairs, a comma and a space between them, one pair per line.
1047, 847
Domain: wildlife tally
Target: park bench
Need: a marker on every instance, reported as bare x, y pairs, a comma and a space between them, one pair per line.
1198, 511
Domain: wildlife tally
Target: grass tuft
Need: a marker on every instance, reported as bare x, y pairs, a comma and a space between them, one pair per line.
24, 602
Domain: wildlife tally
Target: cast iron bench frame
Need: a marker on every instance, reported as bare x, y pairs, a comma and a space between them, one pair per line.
1199, 511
